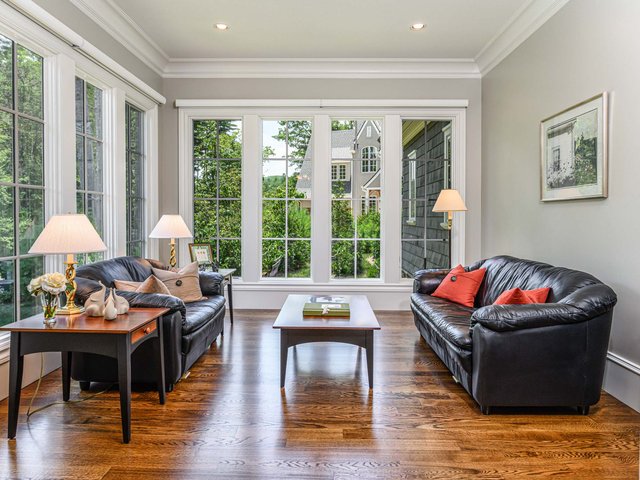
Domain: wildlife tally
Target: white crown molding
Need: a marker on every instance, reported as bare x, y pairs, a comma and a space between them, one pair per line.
321, 68
320, 103
125, 30
520, 27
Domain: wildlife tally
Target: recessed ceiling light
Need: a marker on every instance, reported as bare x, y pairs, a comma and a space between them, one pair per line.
417, 26
222, 26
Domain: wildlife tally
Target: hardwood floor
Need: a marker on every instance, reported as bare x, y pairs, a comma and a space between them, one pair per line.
230, 420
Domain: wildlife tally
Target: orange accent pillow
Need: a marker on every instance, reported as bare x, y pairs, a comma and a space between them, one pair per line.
516, 296
460, 286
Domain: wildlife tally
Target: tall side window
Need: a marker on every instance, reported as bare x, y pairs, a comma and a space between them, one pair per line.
425, 171
286, 198
90, 159
21, 177
355, 219
217, 189
135, 158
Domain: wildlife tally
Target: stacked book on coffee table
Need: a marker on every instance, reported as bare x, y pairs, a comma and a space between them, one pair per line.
326, 307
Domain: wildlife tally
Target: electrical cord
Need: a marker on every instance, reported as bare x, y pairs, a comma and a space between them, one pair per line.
80, 400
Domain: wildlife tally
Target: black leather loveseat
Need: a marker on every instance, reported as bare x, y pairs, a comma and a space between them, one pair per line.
550, 354
189, 328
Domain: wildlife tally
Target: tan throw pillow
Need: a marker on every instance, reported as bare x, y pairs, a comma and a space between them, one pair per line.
184, 284
151, 285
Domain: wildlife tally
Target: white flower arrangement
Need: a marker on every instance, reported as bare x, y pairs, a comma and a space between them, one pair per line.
52, 283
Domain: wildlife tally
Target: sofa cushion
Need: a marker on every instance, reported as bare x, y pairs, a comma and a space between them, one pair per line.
150, 285
199, 313
184, 284
517, 296
452, 320
460, 286
121, 268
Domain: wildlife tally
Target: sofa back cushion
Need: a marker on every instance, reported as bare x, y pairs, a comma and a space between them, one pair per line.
505, 273
121, 268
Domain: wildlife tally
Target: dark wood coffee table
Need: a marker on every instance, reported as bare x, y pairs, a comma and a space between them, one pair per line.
79, 333
356, 330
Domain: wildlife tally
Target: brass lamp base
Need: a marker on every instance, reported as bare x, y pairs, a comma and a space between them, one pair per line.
70, 272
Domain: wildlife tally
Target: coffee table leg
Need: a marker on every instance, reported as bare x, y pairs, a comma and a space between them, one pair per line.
368, 341
124, 385
16, 363
284, 351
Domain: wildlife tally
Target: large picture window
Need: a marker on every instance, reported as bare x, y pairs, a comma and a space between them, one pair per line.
425, 171
217, 189
90, 159
21, 177
286, 198
136, 232
355, 205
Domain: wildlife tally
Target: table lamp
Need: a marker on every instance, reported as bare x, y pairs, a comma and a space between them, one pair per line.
449, 201
171, 226
68, 234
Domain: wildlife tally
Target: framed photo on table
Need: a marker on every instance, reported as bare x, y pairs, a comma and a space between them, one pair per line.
203, 254
574, 152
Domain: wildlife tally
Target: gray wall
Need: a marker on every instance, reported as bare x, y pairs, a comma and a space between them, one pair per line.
588, 47
329, 89
77, 21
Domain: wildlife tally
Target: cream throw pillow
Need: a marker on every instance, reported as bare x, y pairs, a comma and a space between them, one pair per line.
151, 285
184, 284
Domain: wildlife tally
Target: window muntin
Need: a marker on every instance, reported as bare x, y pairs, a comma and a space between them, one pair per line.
425, 172
355, 226
135, 189
22, 185
286, 198
217, 189
90, 158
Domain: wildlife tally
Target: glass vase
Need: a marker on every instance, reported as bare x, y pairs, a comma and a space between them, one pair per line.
49, 306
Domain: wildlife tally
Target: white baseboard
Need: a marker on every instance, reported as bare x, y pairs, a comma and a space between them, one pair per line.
31, 370
622, 380
272, 297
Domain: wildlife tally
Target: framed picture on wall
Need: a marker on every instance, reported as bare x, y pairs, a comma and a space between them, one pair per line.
574, 152
202, 253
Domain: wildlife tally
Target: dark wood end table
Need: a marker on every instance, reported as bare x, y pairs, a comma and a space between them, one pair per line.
117, 338
357, 329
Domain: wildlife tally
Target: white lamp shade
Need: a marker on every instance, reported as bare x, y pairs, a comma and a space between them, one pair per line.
171, 226
449, 200
70, 233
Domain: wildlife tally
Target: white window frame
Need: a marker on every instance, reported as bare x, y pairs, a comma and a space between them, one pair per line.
413, 181
54, 41
252, 111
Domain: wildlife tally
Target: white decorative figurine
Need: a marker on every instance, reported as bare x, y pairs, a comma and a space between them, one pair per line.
94, 306
110, 309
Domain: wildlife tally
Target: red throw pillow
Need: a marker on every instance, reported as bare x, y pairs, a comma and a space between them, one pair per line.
516, 296
460, 286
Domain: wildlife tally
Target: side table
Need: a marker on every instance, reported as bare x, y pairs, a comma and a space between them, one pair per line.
117, 338
227, 273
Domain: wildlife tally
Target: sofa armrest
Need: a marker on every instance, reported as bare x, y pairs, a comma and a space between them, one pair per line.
154, 300
504, 318
426, 281
211, 283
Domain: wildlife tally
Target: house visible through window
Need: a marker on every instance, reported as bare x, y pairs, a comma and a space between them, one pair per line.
136, 232
90, 159
22, 179
217, 189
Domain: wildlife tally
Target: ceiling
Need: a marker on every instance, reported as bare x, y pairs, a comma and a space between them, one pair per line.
320, 38
321, 28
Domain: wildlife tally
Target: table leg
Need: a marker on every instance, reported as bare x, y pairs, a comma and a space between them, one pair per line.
124, 385
230, 294
368, 341
284, 351
15, 383
159, 348
66, 375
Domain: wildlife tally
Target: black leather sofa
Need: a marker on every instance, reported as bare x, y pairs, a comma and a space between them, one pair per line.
550, 354
189, 328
